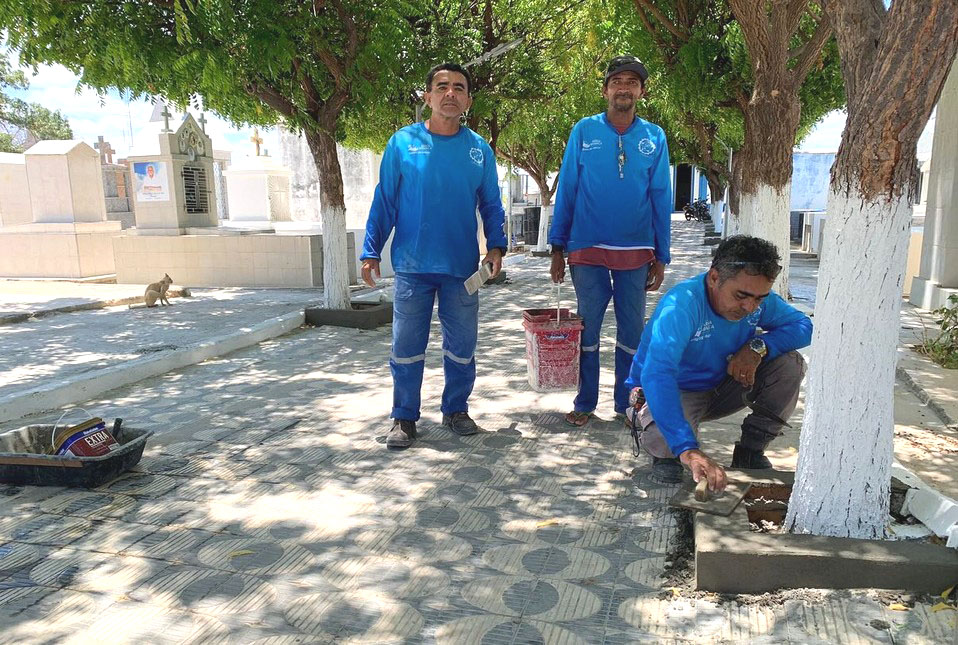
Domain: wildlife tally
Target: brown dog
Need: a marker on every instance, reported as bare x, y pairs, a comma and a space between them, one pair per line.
157, 291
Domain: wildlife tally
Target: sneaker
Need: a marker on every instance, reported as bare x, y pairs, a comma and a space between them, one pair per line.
460, 423
747, 459
666, 470
402, 434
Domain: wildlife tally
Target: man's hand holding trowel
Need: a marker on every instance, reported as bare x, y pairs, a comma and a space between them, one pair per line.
489, 268
704, 467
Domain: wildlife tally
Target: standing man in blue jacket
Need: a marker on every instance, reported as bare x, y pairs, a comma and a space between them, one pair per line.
612, 214
433, 177
702, 358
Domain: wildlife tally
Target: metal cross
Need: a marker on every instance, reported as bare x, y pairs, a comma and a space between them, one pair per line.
106, 152
166, 118
256, 139
203, 121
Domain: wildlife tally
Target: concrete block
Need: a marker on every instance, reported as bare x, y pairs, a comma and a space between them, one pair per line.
730, 558
361, 316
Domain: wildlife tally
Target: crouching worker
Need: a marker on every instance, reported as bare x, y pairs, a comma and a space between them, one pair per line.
702, 357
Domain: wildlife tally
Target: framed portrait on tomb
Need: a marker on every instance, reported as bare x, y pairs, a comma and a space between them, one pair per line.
152, 181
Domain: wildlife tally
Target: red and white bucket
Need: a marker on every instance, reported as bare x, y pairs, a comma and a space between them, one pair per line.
553, 342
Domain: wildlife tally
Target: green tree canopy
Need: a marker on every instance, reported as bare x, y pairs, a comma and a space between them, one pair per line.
304, 64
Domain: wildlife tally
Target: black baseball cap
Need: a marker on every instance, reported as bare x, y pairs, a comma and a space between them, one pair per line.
626, 64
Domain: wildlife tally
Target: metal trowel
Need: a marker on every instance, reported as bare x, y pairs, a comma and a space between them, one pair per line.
478, 278
697, 497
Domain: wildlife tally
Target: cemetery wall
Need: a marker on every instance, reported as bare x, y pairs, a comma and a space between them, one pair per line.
260, 260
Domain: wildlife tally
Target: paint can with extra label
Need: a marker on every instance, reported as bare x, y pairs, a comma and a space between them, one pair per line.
87, 439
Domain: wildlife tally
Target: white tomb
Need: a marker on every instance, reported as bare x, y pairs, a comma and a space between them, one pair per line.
177, 215
257, 189
62, 231
14, 190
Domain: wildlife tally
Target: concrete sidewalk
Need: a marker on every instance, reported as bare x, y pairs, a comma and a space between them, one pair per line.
61, 358
267, 510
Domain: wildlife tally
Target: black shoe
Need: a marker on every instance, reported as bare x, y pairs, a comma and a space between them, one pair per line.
666, 470
460, 423
402, 434
747, 459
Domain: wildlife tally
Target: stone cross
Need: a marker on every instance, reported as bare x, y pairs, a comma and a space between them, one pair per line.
166, 118
256, 139
106, 152
203, 121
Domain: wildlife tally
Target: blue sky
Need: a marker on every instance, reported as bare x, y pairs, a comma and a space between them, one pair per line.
113, 117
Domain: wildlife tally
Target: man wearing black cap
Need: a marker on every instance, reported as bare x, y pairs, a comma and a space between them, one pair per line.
612, 215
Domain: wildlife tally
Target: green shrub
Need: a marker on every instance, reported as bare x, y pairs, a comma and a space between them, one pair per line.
944, 349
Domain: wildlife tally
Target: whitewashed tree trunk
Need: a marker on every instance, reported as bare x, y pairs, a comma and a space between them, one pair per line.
845, 455
544, 217
335, 261
715, 211
764, 213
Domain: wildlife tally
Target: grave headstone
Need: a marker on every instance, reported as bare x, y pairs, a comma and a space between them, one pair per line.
172, 181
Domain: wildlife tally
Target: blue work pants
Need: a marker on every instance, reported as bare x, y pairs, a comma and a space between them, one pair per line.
459, 320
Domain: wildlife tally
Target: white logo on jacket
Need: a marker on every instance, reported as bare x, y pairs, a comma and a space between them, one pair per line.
703, 332
595, 144
646, 146
423, 149
476, 155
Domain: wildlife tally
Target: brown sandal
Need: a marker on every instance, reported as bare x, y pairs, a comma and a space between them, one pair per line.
578, 419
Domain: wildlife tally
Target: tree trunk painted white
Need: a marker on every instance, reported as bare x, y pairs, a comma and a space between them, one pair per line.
544, 216
335, 261
715, 210
845, 454
764, 214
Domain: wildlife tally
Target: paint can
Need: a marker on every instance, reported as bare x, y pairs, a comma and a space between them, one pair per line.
87, 439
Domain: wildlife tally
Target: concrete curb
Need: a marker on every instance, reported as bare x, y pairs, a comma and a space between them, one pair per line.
8, 319
85, 386
906, 379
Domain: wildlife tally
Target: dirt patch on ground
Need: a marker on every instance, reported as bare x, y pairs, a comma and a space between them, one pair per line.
680, 557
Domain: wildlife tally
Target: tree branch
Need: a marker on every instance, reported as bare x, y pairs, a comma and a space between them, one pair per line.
352, 34
663, 19
313, 101
812, 50
794, 11
271, 97
667, 49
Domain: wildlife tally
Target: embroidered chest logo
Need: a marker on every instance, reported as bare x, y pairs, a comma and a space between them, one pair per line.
422, 149
752, 318
646, 147
476, 155
595, 144
703, 332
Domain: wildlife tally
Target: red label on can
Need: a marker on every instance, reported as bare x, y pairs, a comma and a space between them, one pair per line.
94, 442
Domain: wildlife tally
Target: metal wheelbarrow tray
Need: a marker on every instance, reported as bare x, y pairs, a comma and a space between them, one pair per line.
23, 463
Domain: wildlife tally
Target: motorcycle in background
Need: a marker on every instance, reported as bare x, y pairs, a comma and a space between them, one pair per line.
698, 210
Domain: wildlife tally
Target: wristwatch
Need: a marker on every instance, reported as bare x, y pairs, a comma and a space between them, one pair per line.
758, 346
